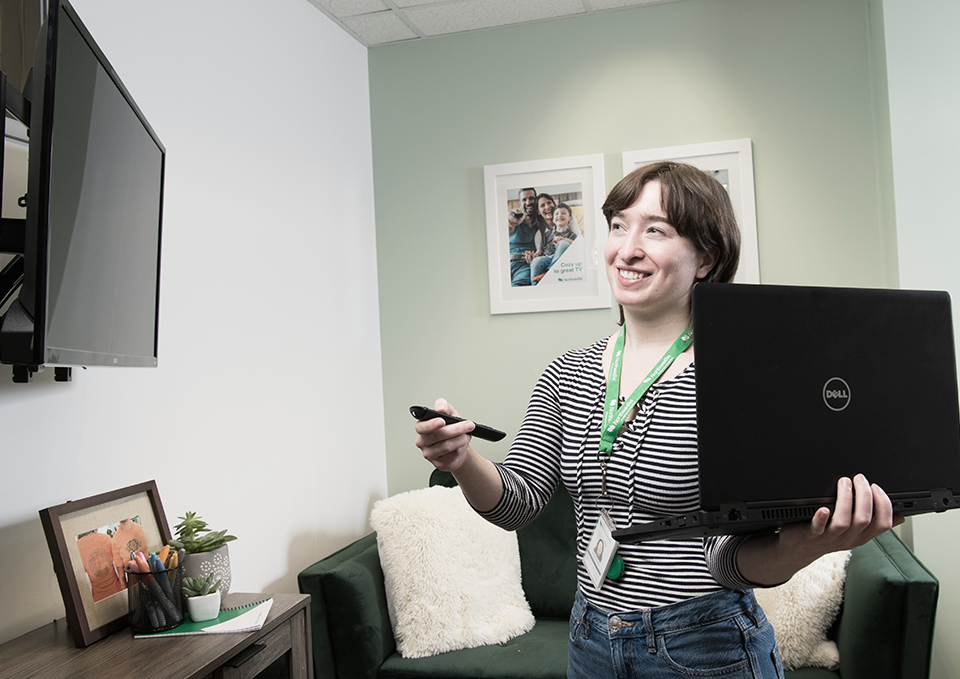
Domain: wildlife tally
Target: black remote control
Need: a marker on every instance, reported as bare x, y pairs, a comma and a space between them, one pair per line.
482, 431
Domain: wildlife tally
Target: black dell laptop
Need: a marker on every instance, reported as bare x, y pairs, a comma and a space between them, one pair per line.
799, 386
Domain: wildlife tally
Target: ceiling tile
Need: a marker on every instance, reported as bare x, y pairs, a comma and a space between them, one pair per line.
349, 8
377, 22
470, 15
376, 29
617, 4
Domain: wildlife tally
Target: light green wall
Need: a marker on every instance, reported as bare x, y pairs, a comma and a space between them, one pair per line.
796, 77
923, 58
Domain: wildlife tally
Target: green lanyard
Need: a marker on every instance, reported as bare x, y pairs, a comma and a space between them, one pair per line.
614, 417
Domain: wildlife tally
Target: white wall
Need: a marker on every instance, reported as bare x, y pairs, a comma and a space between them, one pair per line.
923, 59
266, 412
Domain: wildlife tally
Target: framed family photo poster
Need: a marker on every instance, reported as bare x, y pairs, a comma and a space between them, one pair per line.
731, 162
90, 540
545, 235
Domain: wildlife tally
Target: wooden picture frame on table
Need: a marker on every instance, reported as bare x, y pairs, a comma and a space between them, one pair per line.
572, 279
89, 541
731, 162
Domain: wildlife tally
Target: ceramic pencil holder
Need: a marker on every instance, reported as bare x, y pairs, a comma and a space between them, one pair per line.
155, 600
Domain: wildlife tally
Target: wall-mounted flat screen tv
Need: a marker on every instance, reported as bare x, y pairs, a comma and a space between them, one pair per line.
91, 276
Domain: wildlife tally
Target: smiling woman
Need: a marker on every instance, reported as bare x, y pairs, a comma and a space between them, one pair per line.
693, 203
650, 266
657, 249
668, 204
616, 424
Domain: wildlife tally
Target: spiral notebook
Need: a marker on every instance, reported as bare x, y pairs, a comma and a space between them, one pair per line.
249, 618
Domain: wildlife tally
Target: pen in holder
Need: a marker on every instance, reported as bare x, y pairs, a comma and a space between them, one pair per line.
155, 599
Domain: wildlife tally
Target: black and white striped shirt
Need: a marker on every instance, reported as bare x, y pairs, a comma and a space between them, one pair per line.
651, 473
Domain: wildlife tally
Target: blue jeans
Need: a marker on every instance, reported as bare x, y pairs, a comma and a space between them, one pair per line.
520, 273
723, 635
542, 264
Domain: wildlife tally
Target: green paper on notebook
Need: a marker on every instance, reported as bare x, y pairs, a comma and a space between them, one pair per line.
249, 618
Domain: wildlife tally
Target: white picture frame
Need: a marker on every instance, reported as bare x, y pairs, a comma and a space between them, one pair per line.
575, 279
732, 163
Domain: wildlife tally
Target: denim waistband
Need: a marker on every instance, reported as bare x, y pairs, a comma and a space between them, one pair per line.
702, 610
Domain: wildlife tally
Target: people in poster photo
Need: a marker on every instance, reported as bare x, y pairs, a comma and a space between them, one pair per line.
532, 230
523, 230
555, 242
545, 206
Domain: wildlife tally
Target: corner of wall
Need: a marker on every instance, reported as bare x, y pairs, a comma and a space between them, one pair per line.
884, 146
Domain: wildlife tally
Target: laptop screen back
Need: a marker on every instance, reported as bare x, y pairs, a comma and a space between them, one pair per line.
797, 387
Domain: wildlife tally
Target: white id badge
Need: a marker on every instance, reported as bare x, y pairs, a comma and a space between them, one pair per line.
601, 549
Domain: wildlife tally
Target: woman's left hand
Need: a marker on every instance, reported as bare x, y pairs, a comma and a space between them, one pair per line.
862, 512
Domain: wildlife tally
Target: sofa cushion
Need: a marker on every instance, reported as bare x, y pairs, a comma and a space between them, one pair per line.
548, 554
351, 645
891, 594
548, 558
803, 609
811, 673
539, 654
452, 580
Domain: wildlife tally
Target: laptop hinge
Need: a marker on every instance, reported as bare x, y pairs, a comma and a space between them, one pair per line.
732, 512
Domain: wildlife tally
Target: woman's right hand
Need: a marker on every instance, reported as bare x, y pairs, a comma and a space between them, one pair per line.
445, 446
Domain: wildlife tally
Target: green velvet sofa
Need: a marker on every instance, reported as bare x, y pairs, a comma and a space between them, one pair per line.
885, 629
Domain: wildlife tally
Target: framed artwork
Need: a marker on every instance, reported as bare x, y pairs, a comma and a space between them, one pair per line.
545, 235
731, 162
90, 540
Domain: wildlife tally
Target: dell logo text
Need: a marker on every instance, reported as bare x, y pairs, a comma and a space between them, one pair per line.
836, 394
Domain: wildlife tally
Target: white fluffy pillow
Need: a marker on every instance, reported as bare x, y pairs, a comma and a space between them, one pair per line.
804, 608
452, 579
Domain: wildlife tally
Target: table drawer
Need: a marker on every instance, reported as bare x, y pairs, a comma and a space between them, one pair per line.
259, 655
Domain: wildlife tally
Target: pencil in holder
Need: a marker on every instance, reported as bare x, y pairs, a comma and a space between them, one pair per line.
155, 600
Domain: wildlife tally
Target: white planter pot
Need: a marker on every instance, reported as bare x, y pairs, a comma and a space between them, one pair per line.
205, 607
216, 562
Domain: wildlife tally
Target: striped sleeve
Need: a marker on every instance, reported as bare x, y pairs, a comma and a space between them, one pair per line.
531, 472
721, 555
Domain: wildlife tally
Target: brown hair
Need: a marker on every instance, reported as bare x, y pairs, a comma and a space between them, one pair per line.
696, 205
541, 221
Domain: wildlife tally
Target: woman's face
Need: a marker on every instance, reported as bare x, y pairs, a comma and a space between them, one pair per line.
651, 267
545, 206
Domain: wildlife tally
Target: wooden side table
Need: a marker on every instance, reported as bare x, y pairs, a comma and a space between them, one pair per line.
49, 652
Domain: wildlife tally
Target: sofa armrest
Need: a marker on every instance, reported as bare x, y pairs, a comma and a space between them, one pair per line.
351, 628
889, 607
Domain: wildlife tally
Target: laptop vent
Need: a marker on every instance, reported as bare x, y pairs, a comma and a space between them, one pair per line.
788, 513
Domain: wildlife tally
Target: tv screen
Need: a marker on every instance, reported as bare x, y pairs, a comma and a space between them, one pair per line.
90, 294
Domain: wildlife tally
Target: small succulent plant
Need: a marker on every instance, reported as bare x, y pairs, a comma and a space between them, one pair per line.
200, 585
189, 536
